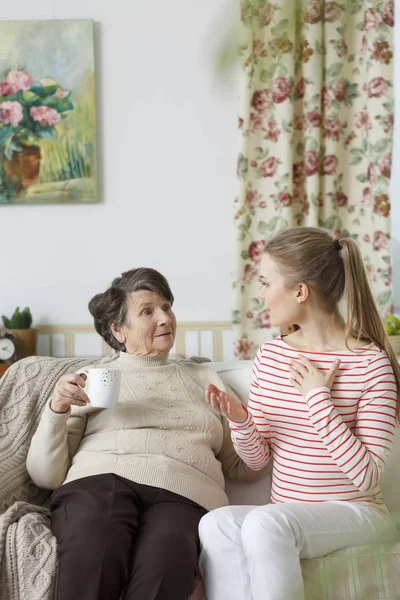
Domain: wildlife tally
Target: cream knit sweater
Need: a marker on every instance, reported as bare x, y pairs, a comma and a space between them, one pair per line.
161, 433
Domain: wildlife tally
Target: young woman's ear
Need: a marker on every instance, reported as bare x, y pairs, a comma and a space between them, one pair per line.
118, 333
302, 292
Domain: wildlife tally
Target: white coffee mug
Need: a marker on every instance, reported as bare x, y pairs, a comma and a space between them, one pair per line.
102, 386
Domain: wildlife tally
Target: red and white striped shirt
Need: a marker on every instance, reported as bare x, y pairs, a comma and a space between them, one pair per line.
330, 445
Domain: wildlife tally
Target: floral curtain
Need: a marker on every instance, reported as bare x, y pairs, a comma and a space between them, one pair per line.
316, 124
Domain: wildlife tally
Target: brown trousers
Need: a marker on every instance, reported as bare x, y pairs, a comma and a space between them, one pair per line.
120, 539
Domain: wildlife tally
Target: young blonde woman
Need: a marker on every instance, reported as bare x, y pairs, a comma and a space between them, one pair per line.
322, 406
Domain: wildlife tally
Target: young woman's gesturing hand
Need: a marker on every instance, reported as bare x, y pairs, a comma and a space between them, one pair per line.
224, 404
305, 376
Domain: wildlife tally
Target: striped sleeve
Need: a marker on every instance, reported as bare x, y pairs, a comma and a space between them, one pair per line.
250, 438
361, 454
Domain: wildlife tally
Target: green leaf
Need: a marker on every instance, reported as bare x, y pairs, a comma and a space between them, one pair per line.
30, 97
384, 298
335, 69
365, 145
38, 89
363, 178
386, 259
272, 223
48, 133
59, 104
357, 151
281, 29
262, 227
382, 145
332, 222
5, 132
356, 160
267, 75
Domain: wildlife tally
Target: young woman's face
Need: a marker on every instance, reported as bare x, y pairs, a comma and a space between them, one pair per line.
151, 325
280, 300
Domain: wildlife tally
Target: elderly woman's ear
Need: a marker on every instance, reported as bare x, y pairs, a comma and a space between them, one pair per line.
118, 333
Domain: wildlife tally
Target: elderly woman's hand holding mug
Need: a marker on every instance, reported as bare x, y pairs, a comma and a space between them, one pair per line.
68, 391
224, 404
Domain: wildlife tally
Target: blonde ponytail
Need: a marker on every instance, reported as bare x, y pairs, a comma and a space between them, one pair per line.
363, 319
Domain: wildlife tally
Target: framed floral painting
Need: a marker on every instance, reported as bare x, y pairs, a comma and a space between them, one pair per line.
47, 112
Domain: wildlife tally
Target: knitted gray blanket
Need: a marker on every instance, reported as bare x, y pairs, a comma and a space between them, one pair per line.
27, 547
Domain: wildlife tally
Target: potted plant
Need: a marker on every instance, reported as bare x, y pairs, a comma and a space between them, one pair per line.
20, 328
29, 111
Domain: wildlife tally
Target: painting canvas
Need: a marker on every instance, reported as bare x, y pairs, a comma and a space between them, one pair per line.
47, 112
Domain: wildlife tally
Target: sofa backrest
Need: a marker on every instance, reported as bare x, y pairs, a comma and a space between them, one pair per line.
237, 374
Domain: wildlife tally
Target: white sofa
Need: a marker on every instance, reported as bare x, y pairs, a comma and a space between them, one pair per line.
359, 573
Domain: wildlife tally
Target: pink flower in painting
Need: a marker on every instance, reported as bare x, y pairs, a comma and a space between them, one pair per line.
313, 119
311, 163
252, 198
240, 121
366, 238
385, 164
263, 319
341, 199
329, 165
253, 163
332, 129
326, 97
281, 89
256, 250
273, 131
387, 13
269, 167
45, 115
19, 81
249, 314
313, 12
298, 173
377, 87
284, 199
11, 112
60, 93
333, 12
261, 101
339, 89
372, 174
6, 88
301, 88
263, 204
371, 19
363, 121
380, 240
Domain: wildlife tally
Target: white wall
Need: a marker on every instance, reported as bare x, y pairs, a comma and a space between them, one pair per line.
167, 145
167, 142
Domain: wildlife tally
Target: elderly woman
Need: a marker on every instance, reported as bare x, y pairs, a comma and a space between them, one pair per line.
132, 482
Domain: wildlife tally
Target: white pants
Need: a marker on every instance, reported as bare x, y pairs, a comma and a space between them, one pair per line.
254, 552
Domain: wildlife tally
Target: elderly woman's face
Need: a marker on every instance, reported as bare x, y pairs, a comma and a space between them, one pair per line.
151, 325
